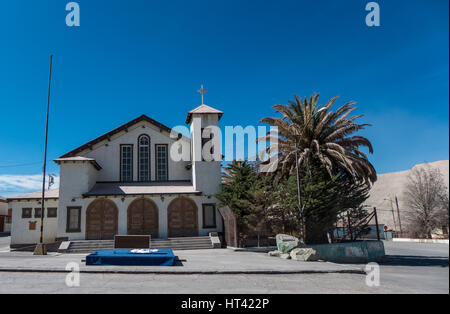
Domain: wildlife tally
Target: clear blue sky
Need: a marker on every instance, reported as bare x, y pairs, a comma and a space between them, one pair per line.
149, 57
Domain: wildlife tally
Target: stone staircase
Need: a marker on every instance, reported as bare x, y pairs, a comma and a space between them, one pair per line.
187, 243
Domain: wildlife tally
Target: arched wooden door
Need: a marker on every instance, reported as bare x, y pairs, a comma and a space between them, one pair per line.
142, 218
182, 218
101, 220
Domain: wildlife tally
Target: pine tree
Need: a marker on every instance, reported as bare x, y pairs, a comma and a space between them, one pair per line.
325, 198
240, 182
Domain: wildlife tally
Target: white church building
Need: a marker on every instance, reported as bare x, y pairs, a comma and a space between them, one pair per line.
126, 183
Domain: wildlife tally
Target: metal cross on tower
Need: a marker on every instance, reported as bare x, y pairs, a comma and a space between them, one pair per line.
203, 92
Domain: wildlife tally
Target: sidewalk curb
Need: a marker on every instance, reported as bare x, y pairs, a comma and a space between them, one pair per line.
429, 241
168, 272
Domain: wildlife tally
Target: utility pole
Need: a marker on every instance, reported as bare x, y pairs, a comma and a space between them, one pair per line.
398, 215
349, 221
299, 198
376, 222
41, 249
393, 212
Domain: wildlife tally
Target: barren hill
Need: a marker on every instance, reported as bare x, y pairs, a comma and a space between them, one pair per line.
390, 185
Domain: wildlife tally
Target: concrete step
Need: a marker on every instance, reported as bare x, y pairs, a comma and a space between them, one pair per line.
185, 243
153, 245
85, 250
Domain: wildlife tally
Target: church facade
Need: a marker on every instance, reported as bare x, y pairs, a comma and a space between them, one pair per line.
126, 182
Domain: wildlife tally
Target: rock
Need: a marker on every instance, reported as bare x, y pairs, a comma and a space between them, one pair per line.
285, 256
305, 255
274, 253
285, 243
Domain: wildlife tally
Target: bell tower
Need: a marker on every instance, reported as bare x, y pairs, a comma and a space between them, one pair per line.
206, 160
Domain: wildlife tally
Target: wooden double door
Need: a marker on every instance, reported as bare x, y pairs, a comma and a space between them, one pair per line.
182, 218
101, 220
142, 218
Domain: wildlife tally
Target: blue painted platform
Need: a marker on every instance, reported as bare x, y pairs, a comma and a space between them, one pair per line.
125, 257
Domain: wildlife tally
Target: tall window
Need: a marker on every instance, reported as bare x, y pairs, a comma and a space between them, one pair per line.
209, 216
161, 163
144, 158
126, 163
73, 219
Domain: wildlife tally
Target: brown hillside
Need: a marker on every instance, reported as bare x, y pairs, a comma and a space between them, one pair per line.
392, 184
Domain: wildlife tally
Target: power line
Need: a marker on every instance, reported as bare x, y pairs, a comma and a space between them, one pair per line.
21, 165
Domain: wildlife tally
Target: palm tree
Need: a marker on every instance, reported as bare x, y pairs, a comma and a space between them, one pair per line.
308, 131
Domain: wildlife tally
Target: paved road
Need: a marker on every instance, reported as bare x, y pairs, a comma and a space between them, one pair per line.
417, 266
410, 268
197, 284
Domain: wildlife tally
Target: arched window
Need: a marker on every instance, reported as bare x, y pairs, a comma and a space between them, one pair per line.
144, 158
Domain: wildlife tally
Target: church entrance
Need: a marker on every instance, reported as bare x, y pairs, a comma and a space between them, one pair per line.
142, 218
101, 220
182, 218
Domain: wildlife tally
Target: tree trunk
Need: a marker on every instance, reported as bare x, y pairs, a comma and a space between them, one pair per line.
315, 234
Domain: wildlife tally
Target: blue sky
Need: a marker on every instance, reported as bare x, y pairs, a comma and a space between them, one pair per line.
149, 57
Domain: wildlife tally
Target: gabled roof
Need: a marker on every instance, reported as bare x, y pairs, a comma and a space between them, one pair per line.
121, 128
202, 109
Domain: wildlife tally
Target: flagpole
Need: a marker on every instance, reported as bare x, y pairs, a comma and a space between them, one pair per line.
40, 248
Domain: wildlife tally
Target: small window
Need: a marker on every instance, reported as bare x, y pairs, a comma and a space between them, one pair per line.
10, 212
52, 212
161, 163
209, 216
126, 163
73, 219
37, 212
26, 212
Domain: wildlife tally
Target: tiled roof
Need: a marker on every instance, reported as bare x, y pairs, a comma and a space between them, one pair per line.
202, 109
141, 188
36, 195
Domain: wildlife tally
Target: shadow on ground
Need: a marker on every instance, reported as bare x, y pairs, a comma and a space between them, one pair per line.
405, 260
178, 262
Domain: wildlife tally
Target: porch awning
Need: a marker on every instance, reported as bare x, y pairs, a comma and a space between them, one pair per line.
141, 188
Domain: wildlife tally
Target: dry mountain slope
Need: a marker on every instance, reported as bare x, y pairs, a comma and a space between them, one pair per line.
392, 184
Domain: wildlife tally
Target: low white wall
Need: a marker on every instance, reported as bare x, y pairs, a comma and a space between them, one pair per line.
20, 233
